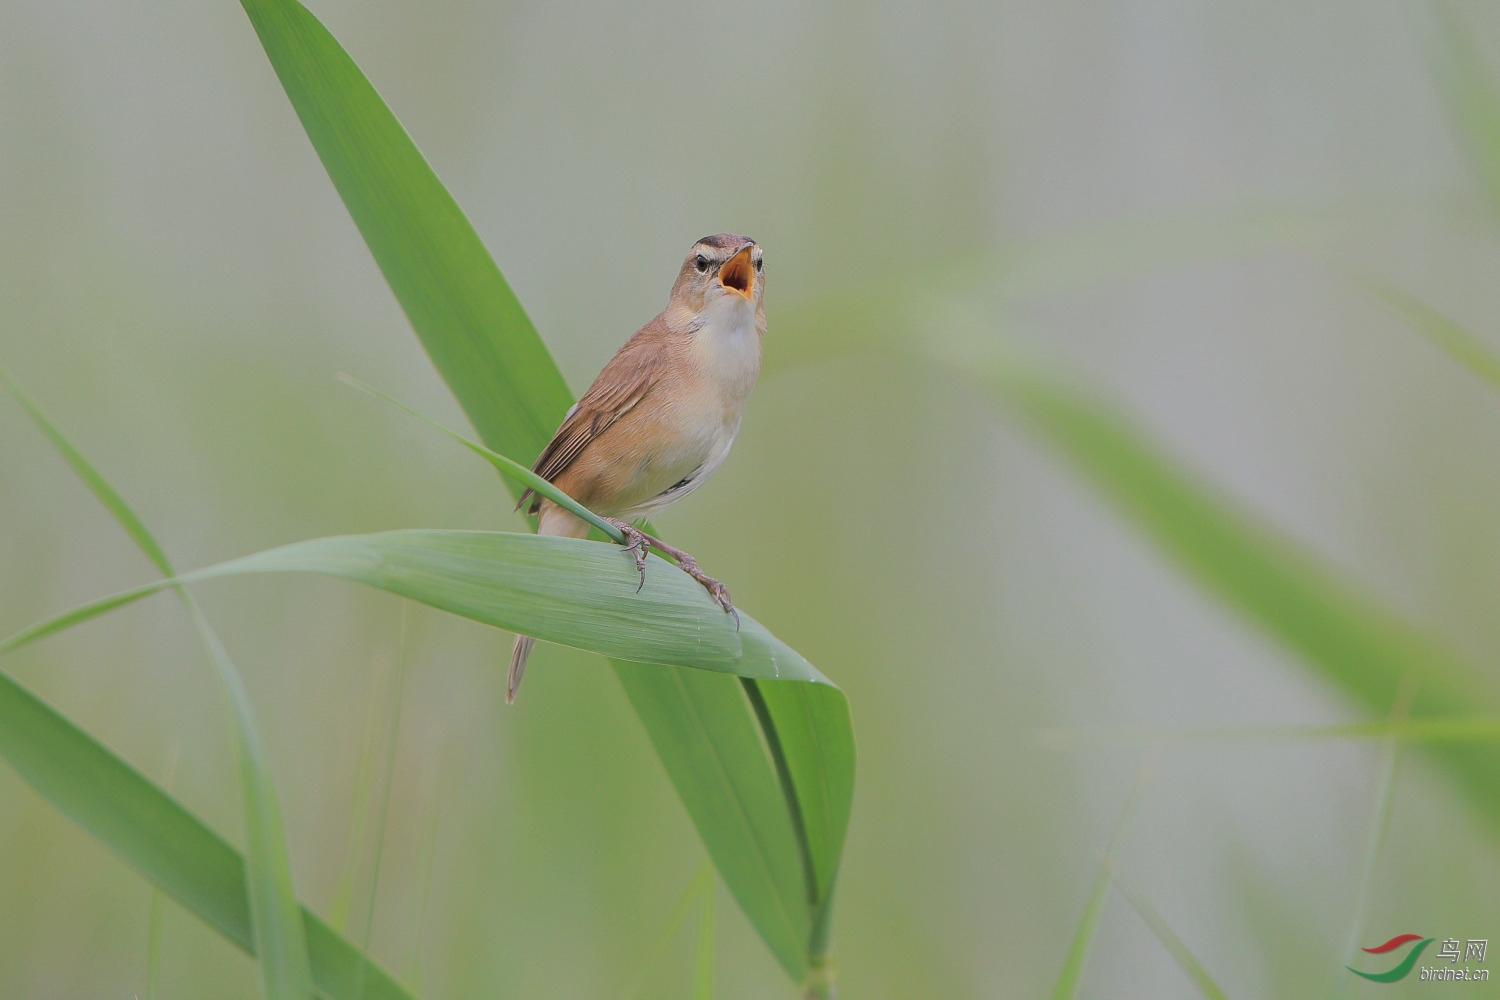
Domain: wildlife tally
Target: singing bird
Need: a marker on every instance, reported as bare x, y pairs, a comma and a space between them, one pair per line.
659, 419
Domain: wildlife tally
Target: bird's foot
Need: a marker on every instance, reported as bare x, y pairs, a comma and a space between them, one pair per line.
689, 565
637, 543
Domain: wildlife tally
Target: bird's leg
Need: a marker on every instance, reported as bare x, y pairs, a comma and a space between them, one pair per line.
689, 565
637, 543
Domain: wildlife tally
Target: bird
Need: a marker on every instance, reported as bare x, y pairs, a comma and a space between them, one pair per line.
661, 416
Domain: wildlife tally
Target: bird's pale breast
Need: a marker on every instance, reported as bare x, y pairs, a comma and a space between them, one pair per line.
682, 431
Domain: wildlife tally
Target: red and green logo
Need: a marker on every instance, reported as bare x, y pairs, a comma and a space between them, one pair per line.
1401, 968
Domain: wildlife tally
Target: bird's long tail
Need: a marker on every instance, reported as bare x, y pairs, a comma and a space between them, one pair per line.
553, 521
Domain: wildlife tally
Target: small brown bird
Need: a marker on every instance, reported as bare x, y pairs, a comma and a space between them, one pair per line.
661, 416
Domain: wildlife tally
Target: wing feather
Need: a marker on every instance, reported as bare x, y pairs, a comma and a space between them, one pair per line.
623, 383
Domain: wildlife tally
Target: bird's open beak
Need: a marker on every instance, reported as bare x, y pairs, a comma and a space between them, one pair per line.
738, 274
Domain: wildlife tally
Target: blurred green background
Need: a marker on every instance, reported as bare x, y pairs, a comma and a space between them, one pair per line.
1160, 198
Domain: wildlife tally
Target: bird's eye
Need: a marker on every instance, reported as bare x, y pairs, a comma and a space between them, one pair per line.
759, 263
701, 263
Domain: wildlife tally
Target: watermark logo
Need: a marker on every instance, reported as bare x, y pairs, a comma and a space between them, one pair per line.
1470, 950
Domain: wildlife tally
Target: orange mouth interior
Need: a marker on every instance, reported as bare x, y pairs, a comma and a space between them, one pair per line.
738, 274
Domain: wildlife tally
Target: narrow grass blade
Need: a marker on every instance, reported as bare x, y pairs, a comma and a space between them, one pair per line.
1078, 949
388, 774
149, 831
432, 767
1447, 334
354, 837
280, 939
487, 351
509, 466
1180, 954
691, 892
703, 959
281, 942
1468, 84
1380, 819
96, 483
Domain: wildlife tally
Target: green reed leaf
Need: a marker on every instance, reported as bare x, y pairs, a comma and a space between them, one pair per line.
1266, 576
1445, 333
1380, 820
507, 466
485, 348
701, 882
565, 590
459, 304
1179, 951
281, 943
1468, 84
1078, 949
149, 831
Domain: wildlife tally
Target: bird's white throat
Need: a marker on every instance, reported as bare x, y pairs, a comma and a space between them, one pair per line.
727, 342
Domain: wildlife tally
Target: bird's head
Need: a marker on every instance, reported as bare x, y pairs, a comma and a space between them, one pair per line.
722, 270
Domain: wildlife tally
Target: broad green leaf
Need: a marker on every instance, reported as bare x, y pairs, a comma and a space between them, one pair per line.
1468, 84
1175, 947
809, 718
487, 351
700, 731
281, 943
459, 304
148, 830
584, 594
565, 590
814, 726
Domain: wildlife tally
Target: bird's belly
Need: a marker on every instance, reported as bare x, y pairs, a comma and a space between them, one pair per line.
686, 452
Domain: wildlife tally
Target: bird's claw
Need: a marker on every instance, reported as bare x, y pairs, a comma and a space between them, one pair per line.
716, 590
637, 543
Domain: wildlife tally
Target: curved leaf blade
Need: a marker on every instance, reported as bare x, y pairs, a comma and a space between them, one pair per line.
701, 731
1446, 333
1258, 571
565, 590
1468, 84
1261, 573
459, 304
1176, 947
487, 351
281, 942
151, 832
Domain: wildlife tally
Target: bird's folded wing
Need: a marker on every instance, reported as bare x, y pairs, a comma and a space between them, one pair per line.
622, 384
